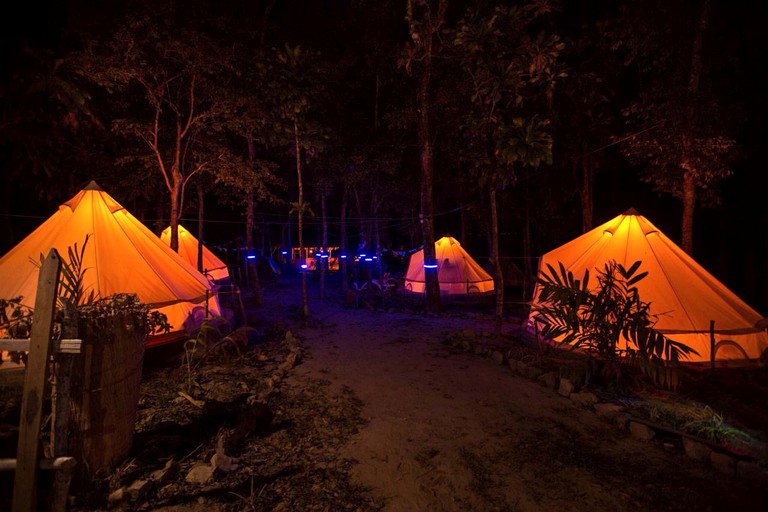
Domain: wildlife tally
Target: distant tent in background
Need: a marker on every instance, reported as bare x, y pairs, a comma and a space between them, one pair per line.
213, 267
683, 295
457, 272
121, 256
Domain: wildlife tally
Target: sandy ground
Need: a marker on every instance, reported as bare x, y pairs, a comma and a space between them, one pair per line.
447, 430
382, 414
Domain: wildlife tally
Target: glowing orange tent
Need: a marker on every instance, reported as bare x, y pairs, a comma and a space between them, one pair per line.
457, 272
213, 267
684, 296
121, 256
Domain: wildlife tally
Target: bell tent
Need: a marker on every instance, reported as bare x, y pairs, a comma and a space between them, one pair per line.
683, 295
213, 267
457, 272
121, 256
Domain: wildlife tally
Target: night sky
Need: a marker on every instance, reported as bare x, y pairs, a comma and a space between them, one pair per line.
361, 39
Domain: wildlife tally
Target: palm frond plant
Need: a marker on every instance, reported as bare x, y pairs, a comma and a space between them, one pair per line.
608, 322
72, 279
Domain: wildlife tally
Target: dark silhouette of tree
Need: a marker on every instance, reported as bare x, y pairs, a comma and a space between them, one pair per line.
296, 87
162, 76
508, 69
676, 122
585, 113
425, 20
50, 138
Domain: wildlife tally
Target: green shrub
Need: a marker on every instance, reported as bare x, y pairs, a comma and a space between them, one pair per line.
610, 323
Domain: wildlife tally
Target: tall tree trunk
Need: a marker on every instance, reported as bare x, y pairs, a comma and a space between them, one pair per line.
160, 224
689, 207
266, 240
431, 283
462, 212
365, 229
300, 207
498, 274
376, 104
377, 248
289, 239
324, 243
587, 175
690, 173
175, 213
343, 239
249, 225
250, 219
264, 19
423, 32
528, 269
200, 217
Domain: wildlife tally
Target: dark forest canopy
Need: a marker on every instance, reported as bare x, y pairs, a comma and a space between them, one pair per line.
82, 82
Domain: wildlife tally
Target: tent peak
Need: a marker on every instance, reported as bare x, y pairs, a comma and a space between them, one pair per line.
631, 211
93, 186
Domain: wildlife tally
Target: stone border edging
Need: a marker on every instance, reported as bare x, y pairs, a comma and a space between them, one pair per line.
719, 457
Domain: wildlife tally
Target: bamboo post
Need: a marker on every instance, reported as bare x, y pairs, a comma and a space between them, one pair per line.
62, 385
25, 481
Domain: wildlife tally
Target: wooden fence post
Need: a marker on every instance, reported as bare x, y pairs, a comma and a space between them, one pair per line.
25, 482
60, 406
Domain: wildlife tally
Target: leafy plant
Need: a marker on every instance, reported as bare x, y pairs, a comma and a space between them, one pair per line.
695, 419
15, 322
712, 426
72, 277
208, 331
15, 318
609, 322
151, 322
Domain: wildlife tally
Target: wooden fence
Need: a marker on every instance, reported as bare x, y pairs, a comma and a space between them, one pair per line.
41, 347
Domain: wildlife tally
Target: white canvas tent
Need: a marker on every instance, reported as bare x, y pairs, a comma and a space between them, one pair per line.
213, 267
122, 256
681, 292
457, 272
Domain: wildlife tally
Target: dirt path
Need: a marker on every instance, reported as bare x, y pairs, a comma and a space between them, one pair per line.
447, 430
